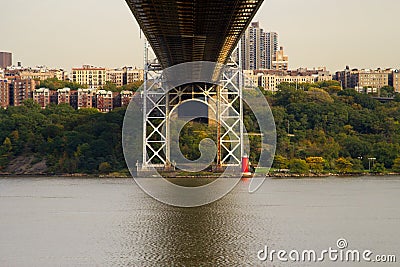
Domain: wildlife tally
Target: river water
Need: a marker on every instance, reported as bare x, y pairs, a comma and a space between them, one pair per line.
111, 222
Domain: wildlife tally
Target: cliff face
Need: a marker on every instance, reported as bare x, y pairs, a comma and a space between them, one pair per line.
26, 165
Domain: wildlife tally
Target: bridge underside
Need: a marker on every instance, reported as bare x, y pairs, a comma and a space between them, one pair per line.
182, 31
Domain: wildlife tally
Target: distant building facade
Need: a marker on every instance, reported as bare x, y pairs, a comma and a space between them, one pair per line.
64, 96
258, 48
21, 89
86, 97
394, 80
270, 79
14, 90
5, 60
115, 76
364, 78
132, 75
104, 100
272, 44
280, 61
90, 76
124, 76
125, 98
42, 73
42, 97
4, 93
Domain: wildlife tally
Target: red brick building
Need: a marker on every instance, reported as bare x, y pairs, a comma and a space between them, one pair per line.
86, 98
21, 90
4, 93
42, 97
104, 100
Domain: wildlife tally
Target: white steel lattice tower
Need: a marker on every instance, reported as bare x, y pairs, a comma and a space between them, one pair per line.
224, 98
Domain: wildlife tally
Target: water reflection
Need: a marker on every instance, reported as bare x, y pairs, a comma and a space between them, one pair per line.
92, 222
217, 234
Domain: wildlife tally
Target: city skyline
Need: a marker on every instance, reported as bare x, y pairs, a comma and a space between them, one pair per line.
66, 35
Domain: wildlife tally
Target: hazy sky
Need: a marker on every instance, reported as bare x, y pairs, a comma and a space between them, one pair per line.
332, 33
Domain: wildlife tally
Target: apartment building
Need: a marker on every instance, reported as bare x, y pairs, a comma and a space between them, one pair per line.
104, 100
115, 76
124, 76
90, 76
4, 93
42, 73
364, 78
86, 98
394, 80
258, 47
270, 82
132, 75
21, 89
280, 61
270, 79
372, 78
64, 96
125, 98
42, 97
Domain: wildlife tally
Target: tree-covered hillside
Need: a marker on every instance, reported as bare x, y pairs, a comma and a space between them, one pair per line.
320, 128
68, 140
343, 127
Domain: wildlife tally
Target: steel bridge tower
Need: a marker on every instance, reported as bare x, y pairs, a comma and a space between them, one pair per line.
192, 31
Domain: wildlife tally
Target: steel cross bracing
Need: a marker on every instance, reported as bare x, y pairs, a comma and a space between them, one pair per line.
225, 99
230, 114
154, 114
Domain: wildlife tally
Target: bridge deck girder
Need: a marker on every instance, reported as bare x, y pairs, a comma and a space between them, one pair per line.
182, 31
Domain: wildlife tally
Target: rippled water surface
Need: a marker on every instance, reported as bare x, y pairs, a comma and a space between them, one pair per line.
99, 222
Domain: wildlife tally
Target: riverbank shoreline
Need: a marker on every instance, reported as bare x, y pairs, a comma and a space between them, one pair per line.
271, 176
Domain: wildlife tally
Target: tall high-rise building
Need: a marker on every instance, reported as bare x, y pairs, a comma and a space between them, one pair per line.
271, 47
5, 60
258, 47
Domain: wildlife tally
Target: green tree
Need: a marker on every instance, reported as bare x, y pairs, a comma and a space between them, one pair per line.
280, 162
7, 144
109, 86
55, 84
387, 91
396, 165
343, 165
299, 166
357, 165
319, 95
316, 164
132, 86
378, 168
104, 168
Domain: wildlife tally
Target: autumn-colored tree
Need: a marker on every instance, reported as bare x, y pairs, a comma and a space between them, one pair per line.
343, 165
316, 164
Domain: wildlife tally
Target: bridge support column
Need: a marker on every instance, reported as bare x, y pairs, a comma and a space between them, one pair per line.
223, 99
